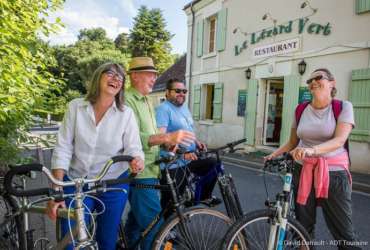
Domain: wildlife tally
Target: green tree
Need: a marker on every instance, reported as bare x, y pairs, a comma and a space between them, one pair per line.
149, 37
24, 76
88, 64
94, 34
91, 42
121, 43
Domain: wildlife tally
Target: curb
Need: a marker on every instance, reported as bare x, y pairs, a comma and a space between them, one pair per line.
258, 165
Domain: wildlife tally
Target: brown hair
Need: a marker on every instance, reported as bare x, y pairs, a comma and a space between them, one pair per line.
93, 91
330, 78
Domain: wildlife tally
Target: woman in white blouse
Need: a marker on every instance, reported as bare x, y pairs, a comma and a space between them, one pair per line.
94, 129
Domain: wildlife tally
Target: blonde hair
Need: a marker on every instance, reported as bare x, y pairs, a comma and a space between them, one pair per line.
93, 91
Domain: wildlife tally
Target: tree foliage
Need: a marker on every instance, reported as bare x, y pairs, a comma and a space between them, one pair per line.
24, 76
92, 43
121, 42
149, 37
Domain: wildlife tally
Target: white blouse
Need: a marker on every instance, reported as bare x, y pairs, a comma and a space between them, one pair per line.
82, 148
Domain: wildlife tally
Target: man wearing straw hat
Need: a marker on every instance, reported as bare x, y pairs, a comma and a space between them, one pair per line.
145, 203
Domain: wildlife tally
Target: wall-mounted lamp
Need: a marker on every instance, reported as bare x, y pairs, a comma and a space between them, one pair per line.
248, 73
268, 16
240, 30
307, 3
302, 67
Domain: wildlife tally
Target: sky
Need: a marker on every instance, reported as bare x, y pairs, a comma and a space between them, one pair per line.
116, 16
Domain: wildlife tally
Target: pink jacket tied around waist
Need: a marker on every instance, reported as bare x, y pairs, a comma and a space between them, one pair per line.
316, 169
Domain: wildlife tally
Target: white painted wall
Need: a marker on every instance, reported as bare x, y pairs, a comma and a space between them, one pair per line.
345, 49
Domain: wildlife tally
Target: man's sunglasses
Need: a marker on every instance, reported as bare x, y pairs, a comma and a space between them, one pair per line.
178, 91
316, 78
112, 74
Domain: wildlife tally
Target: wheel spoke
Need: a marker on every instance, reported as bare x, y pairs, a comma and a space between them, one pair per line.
205, 229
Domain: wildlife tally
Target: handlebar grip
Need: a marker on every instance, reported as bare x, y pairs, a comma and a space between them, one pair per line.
238, 142
278, 159
119, 180
23, 170
119, 158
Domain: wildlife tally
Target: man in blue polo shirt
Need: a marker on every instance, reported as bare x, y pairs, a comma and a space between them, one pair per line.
173, 115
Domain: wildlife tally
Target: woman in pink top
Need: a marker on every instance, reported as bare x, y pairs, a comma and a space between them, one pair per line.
317, 142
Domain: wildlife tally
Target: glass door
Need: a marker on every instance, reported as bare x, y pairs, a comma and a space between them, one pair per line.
273, 112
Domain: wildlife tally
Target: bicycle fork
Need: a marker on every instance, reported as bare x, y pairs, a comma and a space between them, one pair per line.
280, 220
82, 236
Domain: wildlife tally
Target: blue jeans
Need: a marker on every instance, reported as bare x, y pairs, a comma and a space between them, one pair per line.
108, 222
145, 206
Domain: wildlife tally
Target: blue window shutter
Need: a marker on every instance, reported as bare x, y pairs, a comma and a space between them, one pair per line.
199, 41
359, 92
362, 6
217, 102
196, 101
251, 111
221, 29
290, 101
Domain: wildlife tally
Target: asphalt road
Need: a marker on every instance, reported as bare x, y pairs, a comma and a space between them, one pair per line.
252, 193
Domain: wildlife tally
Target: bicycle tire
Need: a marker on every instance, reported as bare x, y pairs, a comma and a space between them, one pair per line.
255, 226
170, 234
12, 234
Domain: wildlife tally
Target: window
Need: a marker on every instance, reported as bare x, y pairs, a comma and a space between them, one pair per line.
212, 34
207, 102
208, 90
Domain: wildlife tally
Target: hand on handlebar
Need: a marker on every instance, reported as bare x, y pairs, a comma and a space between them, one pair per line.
52, 207
269, 157
300, 153
190, 157
137, 165
201, 146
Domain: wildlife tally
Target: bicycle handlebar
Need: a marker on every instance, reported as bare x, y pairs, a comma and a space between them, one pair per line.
279, 161
230, 145
25, 169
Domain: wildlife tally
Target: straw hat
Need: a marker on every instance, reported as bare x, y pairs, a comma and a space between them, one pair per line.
139, 64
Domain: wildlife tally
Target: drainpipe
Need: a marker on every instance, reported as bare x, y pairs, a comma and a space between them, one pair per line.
191, 48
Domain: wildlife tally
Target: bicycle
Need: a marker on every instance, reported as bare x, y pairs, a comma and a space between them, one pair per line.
225, 181
16, 224
274, 227
186, 228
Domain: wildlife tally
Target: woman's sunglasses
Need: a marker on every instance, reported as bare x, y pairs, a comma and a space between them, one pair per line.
316, 78
178, 91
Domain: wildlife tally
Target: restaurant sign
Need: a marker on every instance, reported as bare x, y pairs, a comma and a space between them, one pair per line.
303, 25
278, 48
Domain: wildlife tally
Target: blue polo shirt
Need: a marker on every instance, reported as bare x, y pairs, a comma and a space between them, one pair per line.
175, 118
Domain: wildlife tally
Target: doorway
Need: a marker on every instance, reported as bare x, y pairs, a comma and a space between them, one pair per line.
273, 112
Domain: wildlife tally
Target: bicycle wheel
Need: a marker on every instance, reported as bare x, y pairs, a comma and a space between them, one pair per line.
11, 227
253, 231
202, 229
